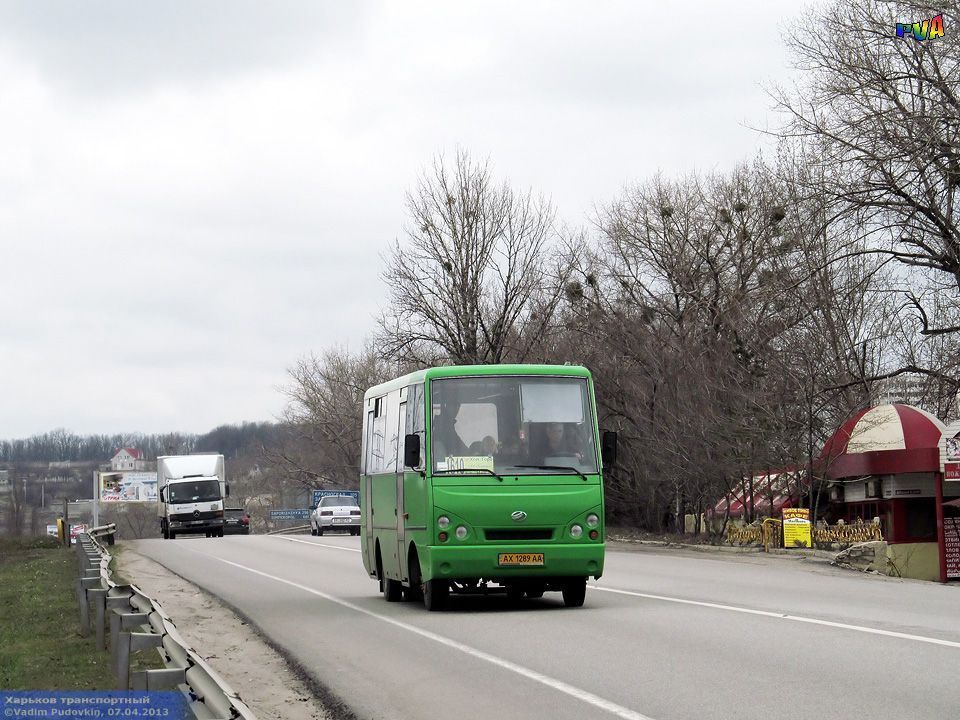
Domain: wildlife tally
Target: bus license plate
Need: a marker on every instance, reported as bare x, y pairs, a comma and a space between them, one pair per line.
520, 559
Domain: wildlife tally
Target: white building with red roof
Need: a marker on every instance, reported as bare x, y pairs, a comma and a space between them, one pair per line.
127, 459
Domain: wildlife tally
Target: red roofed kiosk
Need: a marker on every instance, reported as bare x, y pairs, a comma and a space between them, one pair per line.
885, 462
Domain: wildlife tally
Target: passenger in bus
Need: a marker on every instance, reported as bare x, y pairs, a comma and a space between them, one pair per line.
447, 442
559, 442
487, 446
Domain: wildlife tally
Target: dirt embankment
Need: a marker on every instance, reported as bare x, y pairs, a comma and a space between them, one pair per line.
265, 681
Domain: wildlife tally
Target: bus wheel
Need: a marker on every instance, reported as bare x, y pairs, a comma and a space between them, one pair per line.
574, 592
514, 593
392, 590
414, 593
435, 594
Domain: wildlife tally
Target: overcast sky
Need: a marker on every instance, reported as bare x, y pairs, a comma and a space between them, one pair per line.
194, 195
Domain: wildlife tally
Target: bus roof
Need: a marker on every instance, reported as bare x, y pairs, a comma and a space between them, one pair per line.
474, 370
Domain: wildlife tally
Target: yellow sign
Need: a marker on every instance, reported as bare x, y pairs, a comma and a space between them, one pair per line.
797, 528
520, 559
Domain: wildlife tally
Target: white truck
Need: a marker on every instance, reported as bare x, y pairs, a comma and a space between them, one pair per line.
190, 494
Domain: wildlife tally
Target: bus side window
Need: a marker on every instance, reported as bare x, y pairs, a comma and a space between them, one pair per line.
415, 417
401, 432
368, 445
391, 432
378, 438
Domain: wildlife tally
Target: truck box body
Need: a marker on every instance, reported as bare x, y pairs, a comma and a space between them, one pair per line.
190, 494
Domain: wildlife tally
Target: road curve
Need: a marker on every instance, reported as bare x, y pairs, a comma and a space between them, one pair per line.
663, 635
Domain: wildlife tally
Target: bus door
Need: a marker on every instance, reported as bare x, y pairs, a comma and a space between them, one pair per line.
367, 489
401, 509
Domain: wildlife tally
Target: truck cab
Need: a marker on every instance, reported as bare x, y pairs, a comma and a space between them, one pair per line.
191, 493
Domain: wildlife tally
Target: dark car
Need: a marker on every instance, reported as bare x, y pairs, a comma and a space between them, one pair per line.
236, 521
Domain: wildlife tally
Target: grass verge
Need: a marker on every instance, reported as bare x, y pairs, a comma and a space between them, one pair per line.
40, 643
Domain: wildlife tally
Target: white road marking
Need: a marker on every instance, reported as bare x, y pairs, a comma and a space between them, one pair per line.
582, 695
783, 616
315, 544
732, 608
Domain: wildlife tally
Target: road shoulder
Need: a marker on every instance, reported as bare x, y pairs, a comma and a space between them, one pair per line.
266, 682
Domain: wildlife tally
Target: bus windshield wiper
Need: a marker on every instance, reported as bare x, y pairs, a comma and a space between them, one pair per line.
466, 471
553, 467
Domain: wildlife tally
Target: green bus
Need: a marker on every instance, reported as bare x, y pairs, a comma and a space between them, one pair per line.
486, 478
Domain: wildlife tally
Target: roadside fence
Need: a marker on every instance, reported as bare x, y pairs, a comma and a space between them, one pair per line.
828, 537
136, 622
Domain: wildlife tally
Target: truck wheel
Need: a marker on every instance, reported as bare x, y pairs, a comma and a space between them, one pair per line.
574, 592
207, 534
436, 593
166, 533
173, 536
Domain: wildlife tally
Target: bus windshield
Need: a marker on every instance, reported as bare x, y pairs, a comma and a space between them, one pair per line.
512, 425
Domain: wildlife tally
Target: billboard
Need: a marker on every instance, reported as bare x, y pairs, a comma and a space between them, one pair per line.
950, 454
128, 486
796, 528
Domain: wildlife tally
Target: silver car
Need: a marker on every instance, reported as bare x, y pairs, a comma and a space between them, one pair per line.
335, 512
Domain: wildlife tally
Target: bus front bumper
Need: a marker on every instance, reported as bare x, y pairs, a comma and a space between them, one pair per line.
496, 561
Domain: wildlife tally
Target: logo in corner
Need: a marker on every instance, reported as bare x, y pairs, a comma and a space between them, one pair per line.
518, 515
924, 30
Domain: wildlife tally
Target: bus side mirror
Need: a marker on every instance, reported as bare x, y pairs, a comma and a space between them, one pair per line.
411, 451
608, 448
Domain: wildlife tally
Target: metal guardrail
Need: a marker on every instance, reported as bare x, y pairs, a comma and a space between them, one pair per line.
137, 622
293, 529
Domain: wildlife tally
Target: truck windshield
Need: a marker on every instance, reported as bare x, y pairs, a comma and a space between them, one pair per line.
504, 423
194, 491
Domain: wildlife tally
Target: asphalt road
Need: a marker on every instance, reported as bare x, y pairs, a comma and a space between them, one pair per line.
666, 635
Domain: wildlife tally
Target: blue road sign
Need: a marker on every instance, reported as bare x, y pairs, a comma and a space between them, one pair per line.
317, 494
292, 514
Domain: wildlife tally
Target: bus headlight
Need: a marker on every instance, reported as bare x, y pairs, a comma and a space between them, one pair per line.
592, 520
443, 522
576, 531
461, 532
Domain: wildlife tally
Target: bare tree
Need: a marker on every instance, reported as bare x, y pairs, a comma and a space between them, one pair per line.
323, 416
714, 326
477, 279
878, 117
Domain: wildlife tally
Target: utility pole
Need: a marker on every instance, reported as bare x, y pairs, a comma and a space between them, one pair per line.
96, 500
66, 522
